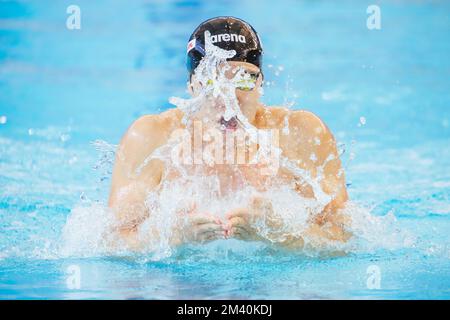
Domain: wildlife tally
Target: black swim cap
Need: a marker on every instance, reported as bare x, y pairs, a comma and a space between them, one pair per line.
228, 33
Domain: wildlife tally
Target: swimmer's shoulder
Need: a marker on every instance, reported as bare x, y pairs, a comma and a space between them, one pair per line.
276, 116
313, 129
163, 121
149, 132
152, 126
271, 116
308, 121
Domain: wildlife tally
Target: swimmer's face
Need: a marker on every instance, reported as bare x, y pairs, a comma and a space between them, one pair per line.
248, 99
250, 91
247, 90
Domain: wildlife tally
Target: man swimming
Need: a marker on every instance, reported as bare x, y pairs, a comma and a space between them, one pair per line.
307, 143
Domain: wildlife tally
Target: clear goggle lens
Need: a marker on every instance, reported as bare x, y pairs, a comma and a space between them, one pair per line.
246, 82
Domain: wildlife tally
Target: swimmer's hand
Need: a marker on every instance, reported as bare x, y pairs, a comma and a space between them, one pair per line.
242, 223
247, 224
195, 227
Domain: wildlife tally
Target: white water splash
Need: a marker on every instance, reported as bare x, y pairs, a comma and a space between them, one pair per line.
90, 230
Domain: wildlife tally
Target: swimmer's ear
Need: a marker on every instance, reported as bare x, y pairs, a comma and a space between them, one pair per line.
190, 86
262, 78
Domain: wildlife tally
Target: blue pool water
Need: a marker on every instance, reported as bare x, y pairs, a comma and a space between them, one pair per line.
384, 93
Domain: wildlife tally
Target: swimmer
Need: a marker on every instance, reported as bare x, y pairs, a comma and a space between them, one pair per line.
308, 143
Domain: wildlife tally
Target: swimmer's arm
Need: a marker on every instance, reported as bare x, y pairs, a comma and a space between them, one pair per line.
259, 222
131, 179
318, 140
308, 135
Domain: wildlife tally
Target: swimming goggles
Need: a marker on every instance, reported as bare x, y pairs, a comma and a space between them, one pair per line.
246, 83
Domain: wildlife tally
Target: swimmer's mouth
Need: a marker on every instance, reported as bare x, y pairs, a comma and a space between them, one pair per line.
231, 124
